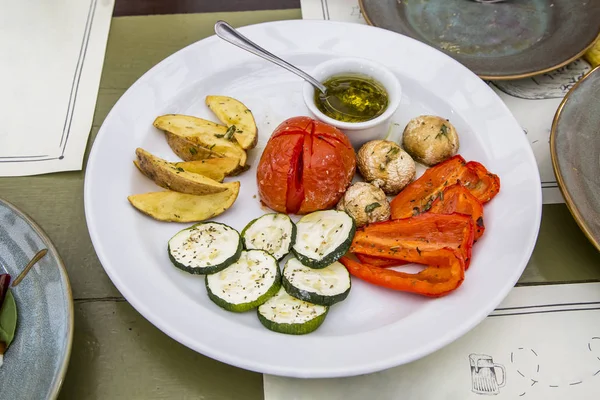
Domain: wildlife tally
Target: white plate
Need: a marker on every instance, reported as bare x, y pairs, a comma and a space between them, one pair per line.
374, 328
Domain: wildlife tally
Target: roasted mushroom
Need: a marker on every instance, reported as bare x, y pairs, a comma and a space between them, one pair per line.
384, 164
430, 139
365, 203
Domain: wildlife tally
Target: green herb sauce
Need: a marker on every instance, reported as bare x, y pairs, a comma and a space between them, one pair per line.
352, 98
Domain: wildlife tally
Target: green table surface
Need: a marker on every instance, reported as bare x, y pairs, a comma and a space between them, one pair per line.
117, 354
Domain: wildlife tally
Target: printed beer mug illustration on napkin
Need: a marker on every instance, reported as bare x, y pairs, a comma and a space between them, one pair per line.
484, 378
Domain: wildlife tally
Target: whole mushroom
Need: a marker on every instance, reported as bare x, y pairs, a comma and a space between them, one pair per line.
430, 139
384, 164
365, 203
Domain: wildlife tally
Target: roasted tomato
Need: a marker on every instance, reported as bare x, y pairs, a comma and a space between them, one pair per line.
306, 166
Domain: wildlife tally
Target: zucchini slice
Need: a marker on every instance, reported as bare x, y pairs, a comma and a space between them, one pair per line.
274, 233
247, 283
323, 237
205, 248
286, 314
324, 287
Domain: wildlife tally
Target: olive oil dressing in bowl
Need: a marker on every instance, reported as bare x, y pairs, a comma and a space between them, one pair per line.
352, 98
361, 98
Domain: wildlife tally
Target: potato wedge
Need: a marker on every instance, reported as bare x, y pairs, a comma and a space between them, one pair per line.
203, 168
180, 207
195, 167
232, 112
226, 165
189, 124
203, 133
166, 175
187, 150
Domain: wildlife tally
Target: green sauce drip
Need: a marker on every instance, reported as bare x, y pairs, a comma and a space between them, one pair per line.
352, 98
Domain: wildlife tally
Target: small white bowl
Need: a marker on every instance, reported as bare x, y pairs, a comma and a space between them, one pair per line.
358, 132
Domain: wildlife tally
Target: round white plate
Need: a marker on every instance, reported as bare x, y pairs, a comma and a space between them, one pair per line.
374, 328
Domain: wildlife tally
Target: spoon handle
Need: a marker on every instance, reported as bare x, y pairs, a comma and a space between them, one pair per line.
231, 35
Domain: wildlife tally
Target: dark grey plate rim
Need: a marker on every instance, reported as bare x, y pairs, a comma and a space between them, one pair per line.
513, 76
559, 177
63, 271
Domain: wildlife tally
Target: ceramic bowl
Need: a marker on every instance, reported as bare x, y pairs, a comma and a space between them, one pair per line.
36, 361
358, 132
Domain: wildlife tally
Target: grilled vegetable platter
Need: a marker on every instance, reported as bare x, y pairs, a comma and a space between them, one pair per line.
333, 213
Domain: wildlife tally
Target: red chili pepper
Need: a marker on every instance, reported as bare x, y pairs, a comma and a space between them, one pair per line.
458, 199
406, 239
445, 273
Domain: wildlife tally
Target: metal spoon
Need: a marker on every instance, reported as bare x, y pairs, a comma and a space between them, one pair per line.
231, 35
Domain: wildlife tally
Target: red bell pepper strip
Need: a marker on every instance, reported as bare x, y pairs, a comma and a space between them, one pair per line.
458, 199
445, 273
481, 183
379, 261
416, 198
405, 239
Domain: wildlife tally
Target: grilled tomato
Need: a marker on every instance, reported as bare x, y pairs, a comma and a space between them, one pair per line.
306, 166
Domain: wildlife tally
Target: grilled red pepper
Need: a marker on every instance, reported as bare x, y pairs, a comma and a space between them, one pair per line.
481, 183
458, 199
419, 195
405, 239
445, 273
379, 261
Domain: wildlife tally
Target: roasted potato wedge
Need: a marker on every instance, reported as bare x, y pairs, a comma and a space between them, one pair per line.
203, 133
180, 207
235, 115
214, 168
168, 176
191, 125
195, 167
228, 165
187, 150
203, 168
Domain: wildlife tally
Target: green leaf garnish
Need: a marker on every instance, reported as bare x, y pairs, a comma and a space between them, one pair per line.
393, 150
369, 208
8, 319
230, 132
443, 132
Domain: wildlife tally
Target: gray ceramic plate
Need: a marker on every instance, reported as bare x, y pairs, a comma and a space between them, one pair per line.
36, 362
575, 151
508, 40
